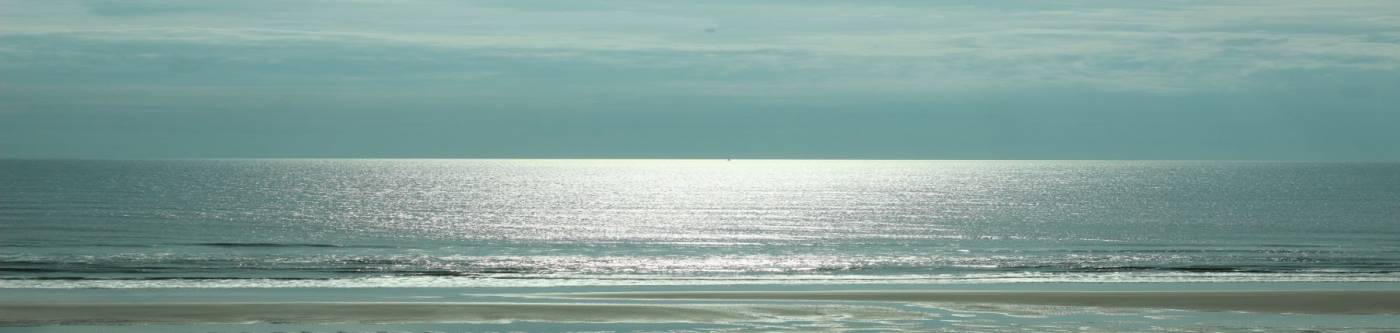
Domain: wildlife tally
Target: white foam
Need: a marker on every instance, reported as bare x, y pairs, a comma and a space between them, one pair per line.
523, 280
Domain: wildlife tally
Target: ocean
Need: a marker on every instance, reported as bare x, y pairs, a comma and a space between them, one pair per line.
406, 223
304, 223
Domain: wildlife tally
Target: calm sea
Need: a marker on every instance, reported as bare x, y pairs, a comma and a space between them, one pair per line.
462, 223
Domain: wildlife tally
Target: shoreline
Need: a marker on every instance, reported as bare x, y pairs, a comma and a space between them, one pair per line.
1300, 302
671, 306
426, 312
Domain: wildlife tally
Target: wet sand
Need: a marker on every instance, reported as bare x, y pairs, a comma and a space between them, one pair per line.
779, 306
421, 312
1303, 302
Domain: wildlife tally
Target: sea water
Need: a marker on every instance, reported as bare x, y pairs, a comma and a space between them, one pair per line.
523, 223
517, 231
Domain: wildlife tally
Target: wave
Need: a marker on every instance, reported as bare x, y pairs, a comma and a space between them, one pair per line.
286, 245
565, 280
161, 278
220, 244
212, 244
1349, 268
342, 266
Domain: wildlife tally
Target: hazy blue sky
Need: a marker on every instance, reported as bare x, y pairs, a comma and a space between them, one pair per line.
1272, 79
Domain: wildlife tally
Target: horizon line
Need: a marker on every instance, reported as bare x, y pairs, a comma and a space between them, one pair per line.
676, 159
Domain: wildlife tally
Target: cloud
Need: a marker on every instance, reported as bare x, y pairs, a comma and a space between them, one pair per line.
149, 8
815, 78
881, 47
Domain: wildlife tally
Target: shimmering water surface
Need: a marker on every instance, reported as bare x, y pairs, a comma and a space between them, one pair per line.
463, 223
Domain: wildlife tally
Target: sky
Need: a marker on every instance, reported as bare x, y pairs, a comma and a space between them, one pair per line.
877, 79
